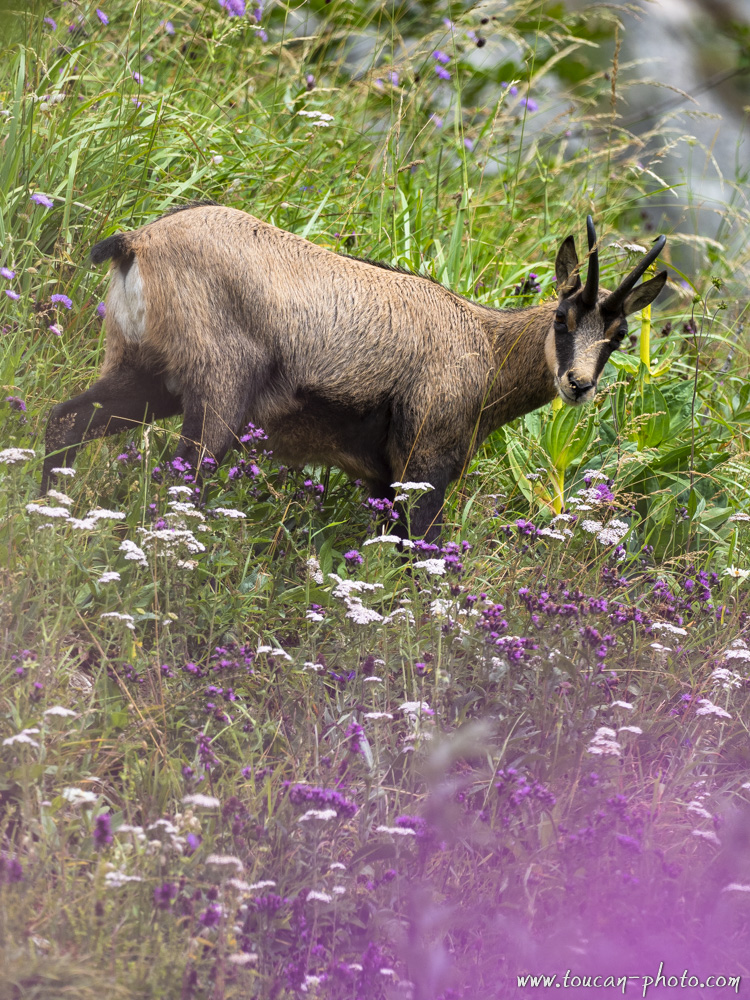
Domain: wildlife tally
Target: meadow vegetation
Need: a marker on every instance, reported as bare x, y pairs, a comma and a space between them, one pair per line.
247, 751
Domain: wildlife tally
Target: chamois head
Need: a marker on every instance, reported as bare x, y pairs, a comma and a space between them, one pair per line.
590, 323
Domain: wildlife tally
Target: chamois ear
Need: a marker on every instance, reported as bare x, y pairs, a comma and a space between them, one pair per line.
644, 294
566, 264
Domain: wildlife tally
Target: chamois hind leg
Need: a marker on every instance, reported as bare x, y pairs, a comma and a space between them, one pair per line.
122, 398
210, 427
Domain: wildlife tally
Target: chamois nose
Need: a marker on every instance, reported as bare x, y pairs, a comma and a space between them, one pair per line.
578, 385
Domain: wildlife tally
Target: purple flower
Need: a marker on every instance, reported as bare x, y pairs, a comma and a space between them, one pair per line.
193, 842
52, 24
441, 57
168, 27
469, 144
138, 78
103, 830
393, 78
511, 90
56, 330
234, 8
310, 81
529, 103
15, 403
164, 894
11, 869
322, 797
12, 295
442, 72
63, 300
211, 916
7, 273
352, 558
101, 310
42, 199
354, 735
102, 16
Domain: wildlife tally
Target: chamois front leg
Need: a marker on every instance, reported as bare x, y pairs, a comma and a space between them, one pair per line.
426, 514
121, 399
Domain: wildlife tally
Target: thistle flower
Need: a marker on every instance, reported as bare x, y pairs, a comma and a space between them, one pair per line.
164, 894
11, 869
211, 916
325, 798
103, 830
63, 300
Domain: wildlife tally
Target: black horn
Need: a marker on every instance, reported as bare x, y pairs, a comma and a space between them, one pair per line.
591, 290
613, 303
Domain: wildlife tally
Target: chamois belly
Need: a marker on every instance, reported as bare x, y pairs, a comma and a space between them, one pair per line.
315, 430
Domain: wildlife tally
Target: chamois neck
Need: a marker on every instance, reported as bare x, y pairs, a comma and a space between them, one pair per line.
523, 375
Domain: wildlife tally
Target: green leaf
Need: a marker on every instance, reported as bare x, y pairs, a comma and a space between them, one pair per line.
651, 407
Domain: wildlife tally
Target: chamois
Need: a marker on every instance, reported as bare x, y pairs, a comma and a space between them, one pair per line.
385, 374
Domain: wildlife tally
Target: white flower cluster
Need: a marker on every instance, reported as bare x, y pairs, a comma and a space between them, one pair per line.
708, 708
171, 542
87, 523
347, 590
319, 118
314, 571
604, 743
727, 679
9, 456
133, 553
128, 619
435, 567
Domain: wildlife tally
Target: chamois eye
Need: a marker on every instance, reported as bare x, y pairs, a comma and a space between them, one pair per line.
561, 323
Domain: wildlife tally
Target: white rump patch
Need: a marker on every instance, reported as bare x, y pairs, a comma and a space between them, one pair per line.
126, 303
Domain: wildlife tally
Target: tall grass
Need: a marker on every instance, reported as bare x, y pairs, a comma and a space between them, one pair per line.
245, 752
